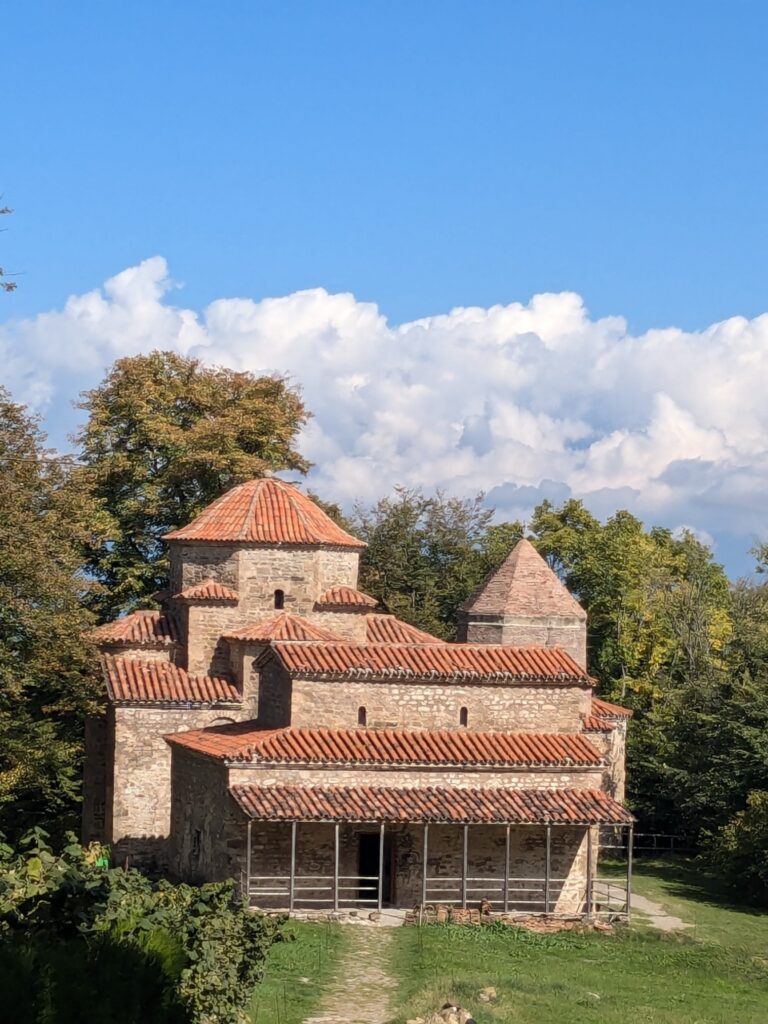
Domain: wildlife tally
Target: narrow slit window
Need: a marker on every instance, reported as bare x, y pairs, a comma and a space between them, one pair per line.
463, 716
362, 716
279, 599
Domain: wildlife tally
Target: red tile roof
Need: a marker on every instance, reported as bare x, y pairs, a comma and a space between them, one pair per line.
142, 628
484, 662
440, 805
265, 511
284, 627
345, 597
208, 590
523, 585
242, 741
591, 723
386, 629
604, 717
133, 681
603, 709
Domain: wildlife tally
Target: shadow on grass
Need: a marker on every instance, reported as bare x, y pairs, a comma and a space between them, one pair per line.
687, 878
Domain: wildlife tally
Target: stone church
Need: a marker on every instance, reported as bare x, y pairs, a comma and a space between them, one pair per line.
271, 724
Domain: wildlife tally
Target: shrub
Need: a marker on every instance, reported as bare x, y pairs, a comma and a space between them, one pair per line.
740, 849
193, 950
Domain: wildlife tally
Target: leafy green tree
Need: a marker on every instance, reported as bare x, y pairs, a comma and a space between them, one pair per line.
426, 555
740, 849
164, 437
46, 683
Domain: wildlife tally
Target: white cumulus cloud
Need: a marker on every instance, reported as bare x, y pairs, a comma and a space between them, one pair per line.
524, 401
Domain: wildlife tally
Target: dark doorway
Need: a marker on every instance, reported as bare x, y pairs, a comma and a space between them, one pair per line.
368, 867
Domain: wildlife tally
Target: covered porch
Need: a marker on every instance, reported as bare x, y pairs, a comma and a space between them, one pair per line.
341, 849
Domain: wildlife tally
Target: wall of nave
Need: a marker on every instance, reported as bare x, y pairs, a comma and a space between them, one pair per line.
411, 704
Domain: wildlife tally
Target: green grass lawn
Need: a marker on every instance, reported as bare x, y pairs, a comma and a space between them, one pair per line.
297, 969
552, 979
690, 893
713, 973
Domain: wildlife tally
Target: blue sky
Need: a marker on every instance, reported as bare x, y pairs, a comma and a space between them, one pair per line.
421, 157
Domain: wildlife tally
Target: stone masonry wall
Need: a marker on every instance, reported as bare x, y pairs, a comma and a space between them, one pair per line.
613, 745
140, 803
272, 688
301, 573
510, 778
207, 651
198, 849
349, 625
193, 562
331, 704
568, 633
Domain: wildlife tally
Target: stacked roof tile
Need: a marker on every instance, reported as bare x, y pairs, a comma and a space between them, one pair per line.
285, 626
208, 590
430, 661
345, 597
439, 805
604, 709
386, 629
604, 717
134, 681
142, 628
265, 511
241, 741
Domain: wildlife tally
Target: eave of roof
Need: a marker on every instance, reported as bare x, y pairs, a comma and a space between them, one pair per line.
134, 681
246, 743
144, 628
458, 662
430, 804
345, 598
604, 709
209, 590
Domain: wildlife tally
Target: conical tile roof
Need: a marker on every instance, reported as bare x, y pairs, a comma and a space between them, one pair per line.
523, 585
265, 511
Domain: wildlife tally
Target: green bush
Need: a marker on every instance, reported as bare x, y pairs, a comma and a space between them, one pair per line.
191, 950
740, 849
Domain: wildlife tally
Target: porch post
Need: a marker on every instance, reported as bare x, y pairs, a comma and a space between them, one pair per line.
248, 828
630, 845
464, 868
292, 883
590, 895
381, 865
547, 869
336, 866
424, 871
506, 872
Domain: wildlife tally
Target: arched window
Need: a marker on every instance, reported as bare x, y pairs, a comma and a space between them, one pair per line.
279, 599
362, 716
463, 716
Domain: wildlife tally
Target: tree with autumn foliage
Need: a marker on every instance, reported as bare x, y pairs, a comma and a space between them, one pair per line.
165, 436
46, 680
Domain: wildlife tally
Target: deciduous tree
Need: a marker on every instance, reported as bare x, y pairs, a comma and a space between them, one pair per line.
46, 683
165, 435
